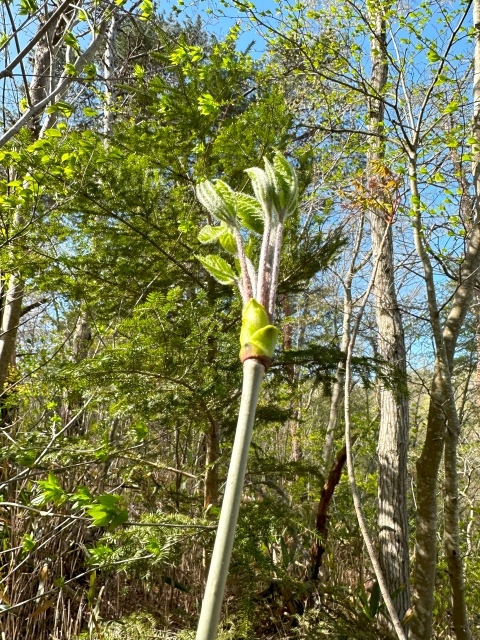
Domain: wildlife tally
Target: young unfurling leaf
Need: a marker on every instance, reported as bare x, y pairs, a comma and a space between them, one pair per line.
283, 175
50, 491
219, 269
222, 234
227, 240
249, 212
212, 199
263, 187
209, 234
70, 39
107, 512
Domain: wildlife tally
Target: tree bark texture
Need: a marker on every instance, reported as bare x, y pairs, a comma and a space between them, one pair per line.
43, 68
394, 428
476, 166
327, 494
452, 535
357, 503
427, 467
443, 425
443, 428
394, 406
10, 321
108, 72
476, 312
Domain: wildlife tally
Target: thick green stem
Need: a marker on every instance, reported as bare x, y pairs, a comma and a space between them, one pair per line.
217, 576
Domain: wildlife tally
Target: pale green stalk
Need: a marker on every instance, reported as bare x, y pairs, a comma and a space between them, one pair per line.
275, 269
217, 576
247, 285
262, 289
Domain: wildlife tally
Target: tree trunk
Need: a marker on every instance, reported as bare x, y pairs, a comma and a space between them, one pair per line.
211, 473
394, 408
442, 414
14, 296
367, 538
212, 433
335, 404
476, 312
108, 72
337, 391
10, 320
297, 453
452, 535
327, 494
427, 466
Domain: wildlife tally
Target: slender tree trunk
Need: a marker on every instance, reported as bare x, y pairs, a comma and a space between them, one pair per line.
452, 433
327, 494
443, 425
476, 311
10, 321
14, 296
211, 474
427, 466
337, 391
40, 81
452, 534
108, 72
443, 428
394, 408
384, 590
394, 429
476, 162
335, 405
297, 453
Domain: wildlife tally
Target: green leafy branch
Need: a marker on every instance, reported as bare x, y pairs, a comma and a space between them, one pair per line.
106, 510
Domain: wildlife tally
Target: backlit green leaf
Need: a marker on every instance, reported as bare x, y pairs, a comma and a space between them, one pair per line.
219, 269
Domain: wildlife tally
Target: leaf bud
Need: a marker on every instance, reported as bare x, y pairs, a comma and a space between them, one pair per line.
257, 336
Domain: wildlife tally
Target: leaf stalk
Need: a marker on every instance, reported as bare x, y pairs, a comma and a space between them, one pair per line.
253, 373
